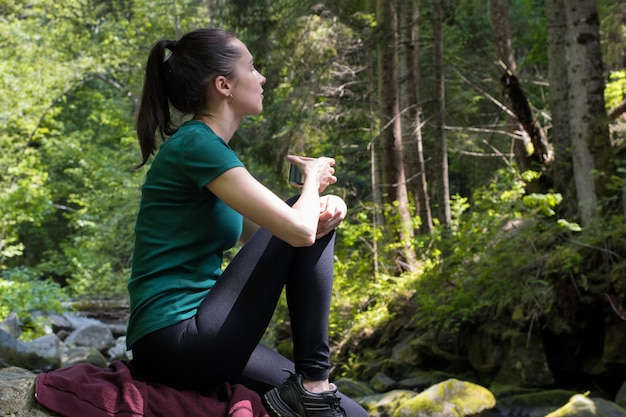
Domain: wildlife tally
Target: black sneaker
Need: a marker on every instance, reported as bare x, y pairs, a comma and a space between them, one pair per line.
290, 399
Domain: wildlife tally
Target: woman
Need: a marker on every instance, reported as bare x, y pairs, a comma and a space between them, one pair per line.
191, 325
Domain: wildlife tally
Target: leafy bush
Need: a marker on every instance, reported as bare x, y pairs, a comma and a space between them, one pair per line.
22, 292
493, 257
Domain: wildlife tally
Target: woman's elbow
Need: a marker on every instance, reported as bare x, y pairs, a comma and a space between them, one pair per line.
303, 238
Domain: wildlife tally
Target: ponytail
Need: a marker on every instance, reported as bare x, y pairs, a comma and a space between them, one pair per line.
154, 112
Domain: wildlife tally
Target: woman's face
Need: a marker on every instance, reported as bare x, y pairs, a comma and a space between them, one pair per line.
248, 84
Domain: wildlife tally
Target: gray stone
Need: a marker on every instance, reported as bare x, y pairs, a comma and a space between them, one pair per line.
420, 381
76, 321
12, 325
17, 395
382, 383
97, 335
17, 353
48, 347
59, 323
118, 351
73, 355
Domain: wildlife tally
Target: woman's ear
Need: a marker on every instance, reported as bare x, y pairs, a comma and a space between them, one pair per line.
223, 86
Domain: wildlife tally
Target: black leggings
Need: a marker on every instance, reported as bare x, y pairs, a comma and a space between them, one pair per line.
221, 342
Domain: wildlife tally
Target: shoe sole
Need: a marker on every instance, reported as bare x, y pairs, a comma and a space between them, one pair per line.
278, 406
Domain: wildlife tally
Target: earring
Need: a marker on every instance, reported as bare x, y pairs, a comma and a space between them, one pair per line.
230, 98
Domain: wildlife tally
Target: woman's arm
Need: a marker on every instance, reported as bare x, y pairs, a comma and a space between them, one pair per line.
249, 228
297, 225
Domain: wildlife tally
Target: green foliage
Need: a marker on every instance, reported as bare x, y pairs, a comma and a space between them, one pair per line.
615, 90
22, 292
491, 259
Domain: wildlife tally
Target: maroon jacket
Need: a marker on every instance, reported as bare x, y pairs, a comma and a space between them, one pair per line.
87, 390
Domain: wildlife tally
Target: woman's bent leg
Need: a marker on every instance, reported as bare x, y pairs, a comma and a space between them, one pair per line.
216, 344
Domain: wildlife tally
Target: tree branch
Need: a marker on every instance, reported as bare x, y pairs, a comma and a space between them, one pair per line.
618, 111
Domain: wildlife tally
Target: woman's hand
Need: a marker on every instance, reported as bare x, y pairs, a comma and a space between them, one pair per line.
315, 169
332, 212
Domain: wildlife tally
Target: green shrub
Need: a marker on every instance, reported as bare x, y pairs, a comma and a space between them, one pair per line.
22, 292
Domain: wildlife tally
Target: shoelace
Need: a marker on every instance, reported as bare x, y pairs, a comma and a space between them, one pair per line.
337, 406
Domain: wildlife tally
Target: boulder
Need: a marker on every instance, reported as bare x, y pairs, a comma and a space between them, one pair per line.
12, 325
353, 389
385, 404
17, 392
525, 363
96, 335
17, 353
382, 383
515, 402
86, 354
583, 406
451, 398
48, 347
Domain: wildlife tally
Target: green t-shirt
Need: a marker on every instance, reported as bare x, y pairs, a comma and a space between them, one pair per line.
182, 230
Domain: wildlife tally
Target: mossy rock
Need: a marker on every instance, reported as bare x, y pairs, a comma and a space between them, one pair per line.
353, 389
582, 406
385, 405
451, 398
533, 404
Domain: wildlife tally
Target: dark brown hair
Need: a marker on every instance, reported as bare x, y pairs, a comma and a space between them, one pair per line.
181, 80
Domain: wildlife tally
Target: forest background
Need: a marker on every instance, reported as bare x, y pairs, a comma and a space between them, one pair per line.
479, 147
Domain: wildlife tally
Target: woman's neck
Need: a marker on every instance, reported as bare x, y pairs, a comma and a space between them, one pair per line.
224, 127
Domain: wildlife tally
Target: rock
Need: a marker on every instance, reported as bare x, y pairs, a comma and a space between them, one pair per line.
484, 351
59, 323
531, 404
620, 397
418, 382
78, 322
614, 352
48, 347
582, 406
451, 398
385, 405
17, 353
118, 351
382, 383
118, 330
353, 389
525, 363
12, 325
97, 336
438, 345
17, 394
73, 355
405, 353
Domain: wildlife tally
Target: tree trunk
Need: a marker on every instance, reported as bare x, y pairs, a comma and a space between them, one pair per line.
589, 133
377, 202
561, 175
395, 192
441, 147
414, 151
